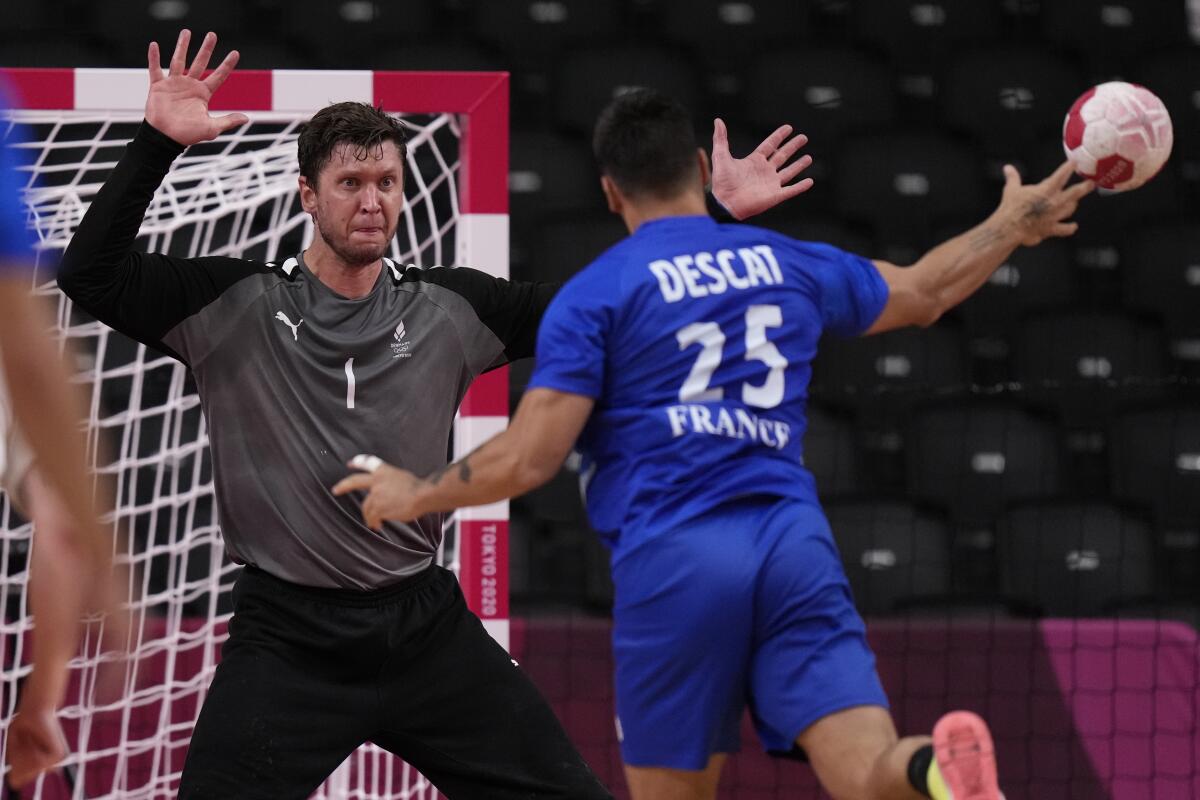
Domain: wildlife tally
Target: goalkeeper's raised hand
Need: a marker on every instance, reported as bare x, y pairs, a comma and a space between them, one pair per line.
763, 179
177, 104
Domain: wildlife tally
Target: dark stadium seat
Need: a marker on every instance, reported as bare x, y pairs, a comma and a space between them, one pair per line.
720, 29
587, 80
977, 459
910, 183
823, 92
919, 31
564, 560
344, 32
830, 453
1083, 363
1108, 30
563, 248
524, 27
550, 175
1011, 97
1174, 75
1073, 559
893, 553
889, 371
1032, 278
1154, 457
1162, 274
131, 24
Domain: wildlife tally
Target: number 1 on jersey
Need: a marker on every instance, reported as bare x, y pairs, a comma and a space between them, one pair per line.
758, 348
349, 383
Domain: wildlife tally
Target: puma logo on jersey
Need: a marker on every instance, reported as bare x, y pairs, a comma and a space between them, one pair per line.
282, 317
400, 347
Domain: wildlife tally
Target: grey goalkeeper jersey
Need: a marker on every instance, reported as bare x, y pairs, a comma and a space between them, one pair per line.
295, 379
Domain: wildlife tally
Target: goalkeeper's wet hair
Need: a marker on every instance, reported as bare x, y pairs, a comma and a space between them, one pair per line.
363, 126
645, 142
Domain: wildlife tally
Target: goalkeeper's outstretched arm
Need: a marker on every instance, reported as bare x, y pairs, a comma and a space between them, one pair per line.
144, 295
955, 269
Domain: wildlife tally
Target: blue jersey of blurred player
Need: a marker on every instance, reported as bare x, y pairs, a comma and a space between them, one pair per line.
679, 360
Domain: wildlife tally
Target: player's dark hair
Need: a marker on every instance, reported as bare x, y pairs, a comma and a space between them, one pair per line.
361, 125
645, 142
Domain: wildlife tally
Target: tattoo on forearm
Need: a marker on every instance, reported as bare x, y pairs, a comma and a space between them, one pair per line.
985, 238
464, 470
436, 476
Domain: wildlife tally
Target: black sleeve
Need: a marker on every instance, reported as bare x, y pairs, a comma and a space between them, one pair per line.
142, 295
511, 309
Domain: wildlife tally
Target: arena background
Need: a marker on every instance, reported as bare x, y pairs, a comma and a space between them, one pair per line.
1016, 491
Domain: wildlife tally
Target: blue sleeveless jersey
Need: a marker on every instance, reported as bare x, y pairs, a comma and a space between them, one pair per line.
696, 340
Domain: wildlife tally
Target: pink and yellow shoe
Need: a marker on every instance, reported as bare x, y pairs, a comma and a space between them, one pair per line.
965, 757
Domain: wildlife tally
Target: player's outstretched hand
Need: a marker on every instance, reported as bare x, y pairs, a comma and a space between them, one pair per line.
391, 492
35, 744
763, 179
177, 104
1041, 210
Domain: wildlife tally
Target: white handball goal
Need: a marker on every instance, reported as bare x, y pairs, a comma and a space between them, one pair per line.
237, 197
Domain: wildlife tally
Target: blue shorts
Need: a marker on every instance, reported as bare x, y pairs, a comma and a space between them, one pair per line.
746, 605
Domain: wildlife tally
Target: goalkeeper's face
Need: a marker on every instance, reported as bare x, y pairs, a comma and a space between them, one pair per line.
357, 201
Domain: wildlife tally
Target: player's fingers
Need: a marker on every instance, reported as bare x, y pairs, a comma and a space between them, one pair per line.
1058, 179
772, 142
200, 62
352, 483
154, 59
229, 122
179, 57
1011, 176
371, 513
218, 76
720, 138
790, 148
1064, 228
788, 173
1080, 190
797, 189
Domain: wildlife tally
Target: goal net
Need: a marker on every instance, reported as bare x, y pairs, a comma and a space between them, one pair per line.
236, 197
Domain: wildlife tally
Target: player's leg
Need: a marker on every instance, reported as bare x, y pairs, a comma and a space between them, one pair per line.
681, 642
661, 783
814, 682
285, 707
856, 753
454, 705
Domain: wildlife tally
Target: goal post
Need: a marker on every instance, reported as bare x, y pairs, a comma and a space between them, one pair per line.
235, 196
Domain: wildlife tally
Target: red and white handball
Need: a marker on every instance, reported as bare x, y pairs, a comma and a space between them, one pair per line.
1118, 134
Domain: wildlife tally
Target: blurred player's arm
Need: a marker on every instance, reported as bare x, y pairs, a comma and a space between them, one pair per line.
523, 457
60, 573
71, 562
955, 269
46, 407
145, 295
